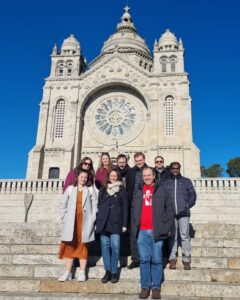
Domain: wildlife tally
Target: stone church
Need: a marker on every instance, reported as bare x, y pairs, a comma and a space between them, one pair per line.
126, 100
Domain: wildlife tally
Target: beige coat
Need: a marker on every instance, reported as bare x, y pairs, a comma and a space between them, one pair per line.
68, 212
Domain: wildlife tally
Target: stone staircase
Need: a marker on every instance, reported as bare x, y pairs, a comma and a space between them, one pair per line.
29, 266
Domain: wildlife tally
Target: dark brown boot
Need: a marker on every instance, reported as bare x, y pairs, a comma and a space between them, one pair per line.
144, 294
156, 294
187, 265
173, 264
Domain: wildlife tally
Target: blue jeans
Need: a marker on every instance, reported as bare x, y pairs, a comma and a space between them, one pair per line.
110, 241
151, 265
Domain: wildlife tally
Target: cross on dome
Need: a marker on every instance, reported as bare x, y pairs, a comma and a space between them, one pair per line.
126, 8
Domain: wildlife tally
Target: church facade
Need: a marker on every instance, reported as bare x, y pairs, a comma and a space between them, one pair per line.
126, 100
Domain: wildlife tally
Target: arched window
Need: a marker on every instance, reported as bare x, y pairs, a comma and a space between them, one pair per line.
69, 68
59, 119
53, 173
60, 69
164, 65
173, 65
169, 116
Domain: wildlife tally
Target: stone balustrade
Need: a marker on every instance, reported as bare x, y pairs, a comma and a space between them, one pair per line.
19, 186
56, 185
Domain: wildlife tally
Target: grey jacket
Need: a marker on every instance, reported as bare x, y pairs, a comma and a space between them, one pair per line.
182, 194
68, 212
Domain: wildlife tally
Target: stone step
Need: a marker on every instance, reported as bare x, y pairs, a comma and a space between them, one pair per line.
184, 289
39, 229
77, 296
46, 259
127, 287
38, 233
204, 275
200, 250
55, 271
124, 286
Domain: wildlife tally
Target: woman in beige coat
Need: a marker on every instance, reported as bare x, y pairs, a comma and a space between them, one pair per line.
78, 213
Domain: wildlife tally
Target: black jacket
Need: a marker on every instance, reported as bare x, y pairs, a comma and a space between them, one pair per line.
112, 211
161, 177
130, 181
123, 173
182, 194
162, 210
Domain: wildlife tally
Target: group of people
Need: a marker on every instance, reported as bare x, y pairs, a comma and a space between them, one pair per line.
151, 204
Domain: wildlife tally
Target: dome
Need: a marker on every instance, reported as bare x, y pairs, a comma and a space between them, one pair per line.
70, 44
168, 38
126, 36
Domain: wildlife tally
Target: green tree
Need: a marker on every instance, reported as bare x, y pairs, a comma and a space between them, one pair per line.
233, 165
214, 170
203, 171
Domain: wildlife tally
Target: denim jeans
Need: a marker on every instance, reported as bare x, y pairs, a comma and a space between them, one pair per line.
151, 262
181, 224
110, 243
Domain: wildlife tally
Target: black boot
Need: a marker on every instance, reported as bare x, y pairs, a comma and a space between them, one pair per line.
106, 277
114, 278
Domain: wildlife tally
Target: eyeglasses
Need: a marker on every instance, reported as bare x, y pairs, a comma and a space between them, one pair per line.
158, 161
87, 164
175, 169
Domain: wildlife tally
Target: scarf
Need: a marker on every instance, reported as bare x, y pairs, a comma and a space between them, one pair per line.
113, 188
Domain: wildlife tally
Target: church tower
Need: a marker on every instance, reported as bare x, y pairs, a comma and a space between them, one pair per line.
126, 100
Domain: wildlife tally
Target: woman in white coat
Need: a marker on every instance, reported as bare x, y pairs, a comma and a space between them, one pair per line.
78, 213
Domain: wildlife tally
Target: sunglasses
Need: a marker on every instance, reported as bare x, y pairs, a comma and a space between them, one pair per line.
158, 161
87, 164
175, 169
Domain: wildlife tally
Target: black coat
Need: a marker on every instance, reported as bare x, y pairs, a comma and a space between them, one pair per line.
112, 211
162, 212
130, 181
182, 193
161, 177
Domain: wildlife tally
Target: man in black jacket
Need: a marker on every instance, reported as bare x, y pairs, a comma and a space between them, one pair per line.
133, 180
152, 217
123, 167
183, 196
161, 174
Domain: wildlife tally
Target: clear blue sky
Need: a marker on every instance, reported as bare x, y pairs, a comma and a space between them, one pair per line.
210, 30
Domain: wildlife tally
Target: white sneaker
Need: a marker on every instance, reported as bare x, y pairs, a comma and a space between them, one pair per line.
81, 275
65, 277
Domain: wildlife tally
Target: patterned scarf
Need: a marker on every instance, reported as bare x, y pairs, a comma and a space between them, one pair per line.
113, 188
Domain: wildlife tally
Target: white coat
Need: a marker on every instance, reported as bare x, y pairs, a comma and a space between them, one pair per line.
68, 213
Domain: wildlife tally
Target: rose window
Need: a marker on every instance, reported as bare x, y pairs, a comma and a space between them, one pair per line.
115, 117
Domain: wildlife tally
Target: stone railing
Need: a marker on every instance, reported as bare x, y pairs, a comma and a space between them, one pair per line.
217, 183
42, 186
39, 186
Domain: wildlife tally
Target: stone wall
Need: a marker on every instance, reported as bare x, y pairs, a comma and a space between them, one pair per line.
38, 200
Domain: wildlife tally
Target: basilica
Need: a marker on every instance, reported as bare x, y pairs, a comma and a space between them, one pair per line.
128, 99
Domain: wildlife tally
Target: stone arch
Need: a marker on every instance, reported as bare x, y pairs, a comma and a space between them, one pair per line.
107, 87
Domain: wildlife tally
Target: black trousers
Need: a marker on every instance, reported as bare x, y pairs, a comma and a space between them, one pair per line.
133, 247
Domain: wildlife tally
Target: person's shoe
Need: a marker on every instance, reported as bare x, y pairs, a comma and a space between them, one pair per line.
114, 278
106, 277
156, 294
187, 265
144, 294
133, 264
81, 275
173, 264
65, 277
